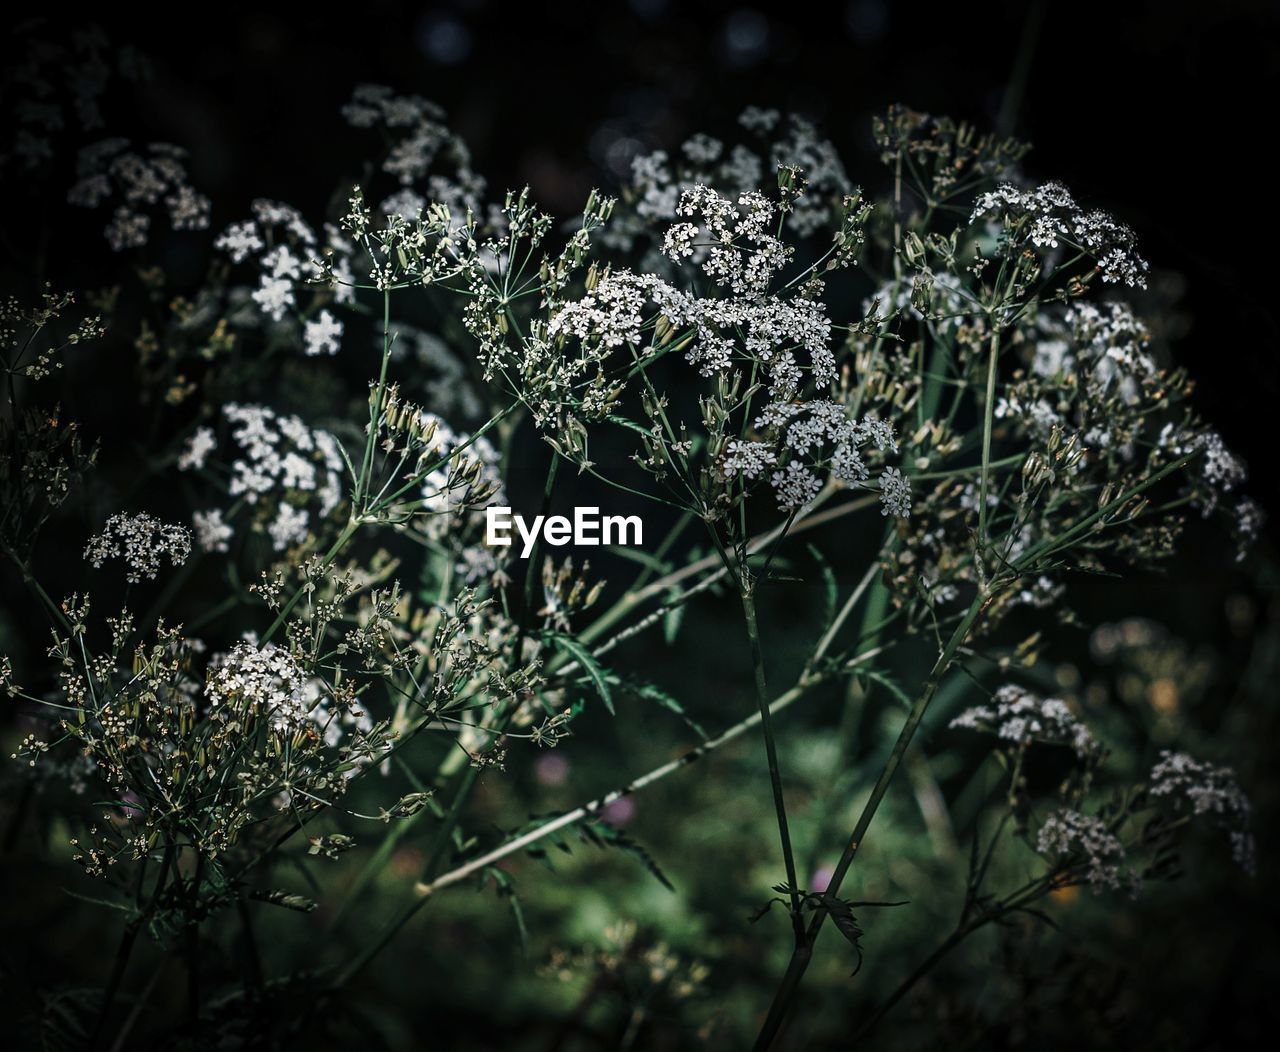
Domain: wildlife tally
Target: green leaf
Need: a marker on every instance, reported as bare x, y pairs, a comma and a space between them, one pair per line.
285, 899
602, 834
832, 587
846, 923
671, 622
645, 559
506, 888
651, 692
888, 683
108, 903
594, 670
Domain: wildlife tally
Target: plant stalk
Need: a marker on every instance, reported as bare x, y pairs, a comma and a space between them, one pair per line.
771, 751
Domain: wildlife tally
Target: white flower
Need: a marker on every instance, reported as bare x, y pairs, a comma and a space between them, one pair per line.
213, 534
288, 469
288, 527
139, 181
747, 458
1049, 212
611, 315
702, 149
127, 229
1210, 791
1221, 471
322, 334
274, 296
239, 241
1249, 520
895, 493
678, 241
756, 119
796, 486
266, 682
404, 203
201, 443
141, 541
1067, 832
1022, 718
188, 210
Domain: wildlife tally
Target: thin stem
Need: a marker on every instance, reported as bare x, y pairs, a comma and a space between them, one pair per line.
1012, 101
123, 952
347, 533
824, 644
470, 775
139, 1004
771, 751
125, 949
253, 960
375, 410
795, 970
192, 938
809, 519
569, 818
925, 966
988, 414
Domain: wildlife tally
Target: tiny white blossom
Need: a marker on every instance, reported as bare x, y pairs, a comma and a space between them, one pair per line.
201, 443
1066, 833
1022, 718
213, 533
140, 541
1210, 791
240, 240
895, 494
322, 334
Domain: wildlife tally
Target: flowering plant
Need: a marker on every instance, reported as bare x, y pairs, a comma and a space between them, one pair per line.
313, 658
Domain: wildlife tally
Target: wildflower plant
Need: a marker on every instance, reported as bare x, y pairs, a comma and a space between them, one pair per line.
743, 341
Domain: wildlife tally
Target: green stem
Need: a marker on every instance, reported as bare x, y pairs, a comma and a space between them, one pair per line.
795, 970
347, 533
771, 751
375, 410
926, 966
125, 949
469, 776
569, 818
988, 413
1012, 101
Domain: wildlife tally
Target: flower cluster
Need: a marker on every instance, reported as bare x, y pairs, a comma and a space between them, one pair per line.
1208, 791
287, 471
947, 156
139, 181
287, 255
809, 438
1090, 847
54, 89
141, 542
1221, 471
421, 141
1019, 718
658, 181
267, 680
733, 241
1043, 217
